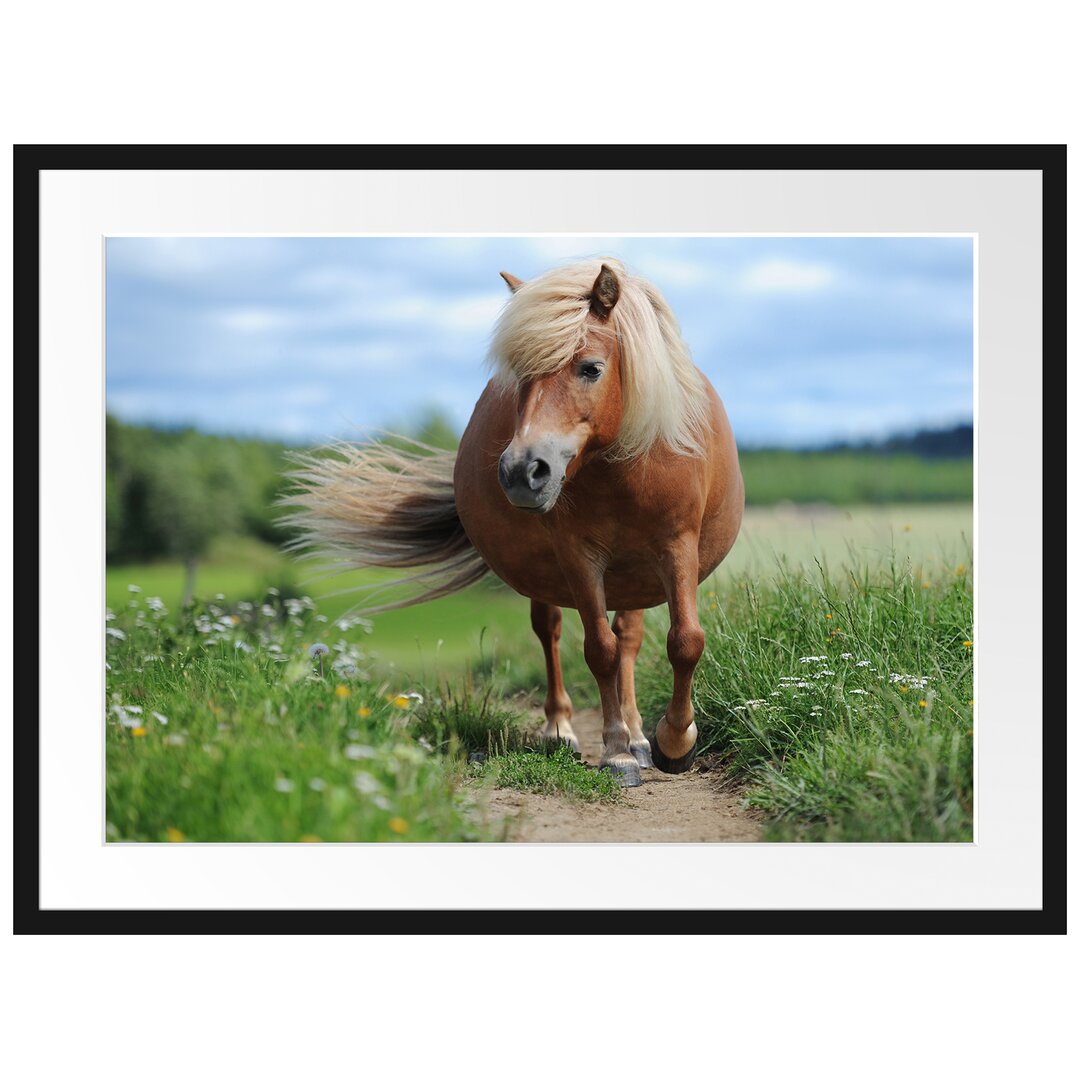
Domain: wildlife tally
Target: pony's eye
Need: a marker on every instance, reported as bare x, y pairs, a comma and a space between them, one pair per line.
590, 371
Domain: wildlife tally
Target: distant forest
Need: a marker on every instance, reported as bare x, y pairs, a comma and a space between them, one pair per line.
169, 492
954, 442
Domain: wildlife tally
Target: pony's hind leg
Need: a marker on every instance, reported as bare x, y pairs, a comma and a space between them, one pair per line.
629, 627
547, 625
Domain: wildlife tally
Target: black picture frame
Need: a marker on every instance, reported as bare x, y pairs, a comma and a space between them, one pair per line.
31, 160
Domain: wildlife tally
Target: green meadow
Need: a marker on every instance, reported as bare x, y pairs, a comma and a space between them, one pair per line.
840, 690
851, 477
443, 635
453, 632
836, 686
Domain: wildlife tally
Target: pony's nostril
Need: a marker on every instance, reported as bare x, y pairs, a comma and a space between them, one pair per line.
504, 473
538, 473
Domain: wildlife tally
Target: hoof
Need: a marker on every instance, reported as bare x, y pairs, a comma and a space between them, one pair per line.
625, 769
671, 765
642, 754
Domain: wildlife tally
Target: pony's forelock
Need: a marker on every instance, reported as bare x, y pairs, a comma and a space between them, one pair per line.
545, 324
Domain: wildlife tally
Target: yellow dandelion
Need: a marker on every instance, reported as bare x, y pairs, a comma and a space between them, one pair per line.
971, 701
363, 711
234, 619
968, 644
907, 528
400, 701
829, 615
138, 732
309, 838
902, 689
922, 703
398, 825
970, 732
174, 836
960, 569
342, 691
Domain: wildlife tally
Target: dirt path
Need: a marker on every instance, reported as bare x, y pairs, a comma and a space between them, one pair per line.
701, 805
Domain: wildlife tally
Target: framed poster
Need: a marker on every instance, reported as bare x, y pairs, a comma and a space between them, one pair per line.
994, 202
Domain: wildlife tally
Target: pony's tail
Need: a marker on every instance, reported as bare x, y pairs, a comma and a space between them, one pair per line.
383, 504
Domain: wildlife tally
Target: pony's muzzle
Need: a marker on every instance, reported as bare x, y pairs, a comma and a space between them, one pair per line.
526, 480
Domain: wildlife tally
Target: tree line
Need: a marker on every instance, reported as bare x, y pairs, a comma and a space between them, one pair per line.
170, 492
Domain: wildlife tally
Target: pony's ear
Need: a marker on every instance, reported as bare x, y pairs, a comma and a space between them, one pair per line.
605, 293
515, 283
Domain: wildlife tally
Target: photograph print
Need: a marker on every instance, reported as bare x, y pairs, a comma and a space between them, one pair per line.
571, 539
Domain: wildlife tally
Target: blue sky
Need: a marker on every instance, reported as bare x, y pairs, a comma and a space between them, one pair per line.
806, 339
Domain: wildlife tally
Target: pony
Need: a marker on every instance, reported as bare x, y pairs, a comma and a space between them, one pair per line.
598, 472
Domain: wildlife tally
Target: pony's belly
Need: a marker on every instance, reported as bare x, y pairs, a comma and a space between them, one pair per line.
623, 592
519, 550
524, 559
626, 588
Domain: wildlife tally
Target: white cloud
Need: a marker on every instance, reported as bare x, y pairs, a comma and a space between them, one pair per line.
340, 281
472, 312
308, 394
185, 258
252, 320
684, 272
786, 275
291, 426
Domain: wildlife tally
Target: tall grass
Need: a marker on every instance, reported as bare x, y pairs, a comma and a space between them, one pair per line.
469, 717
221, 725
841, 695
843, 700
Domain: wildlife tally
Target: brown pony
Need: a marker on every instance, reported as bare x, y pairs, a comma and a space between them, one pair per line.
598, 472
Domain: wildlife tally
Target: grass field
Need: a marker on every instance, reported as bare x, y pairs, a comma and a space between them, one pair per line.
852, 477
801, 534
452, 633
836, 683
235, 721
444, 635
844, 699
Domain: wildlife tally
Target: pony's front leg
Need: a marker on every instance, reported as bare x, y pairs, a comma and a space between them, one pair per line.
674, 744
629, 627
602, 656
547, 625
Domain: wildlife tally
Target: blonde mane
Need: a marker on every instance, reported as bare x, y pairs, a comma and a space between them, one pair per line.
544, 325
